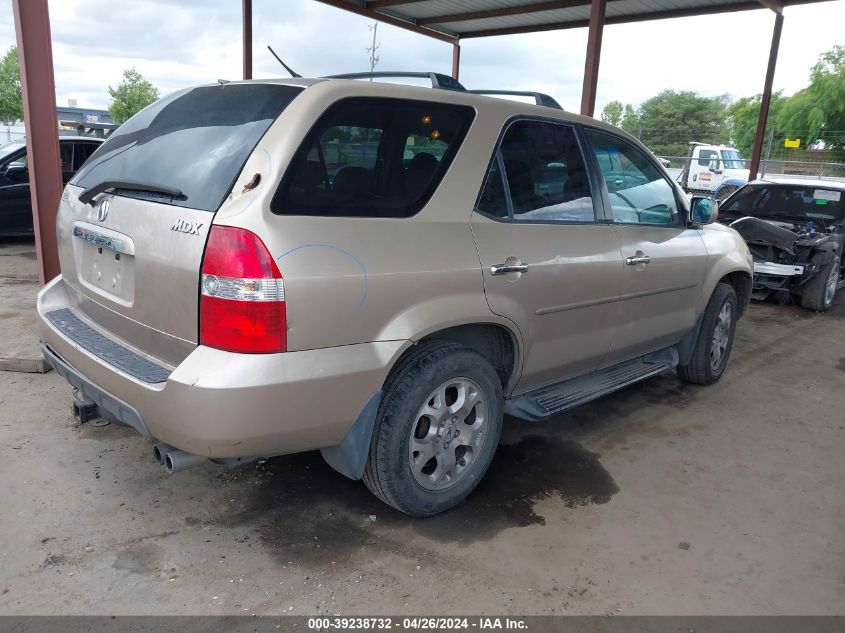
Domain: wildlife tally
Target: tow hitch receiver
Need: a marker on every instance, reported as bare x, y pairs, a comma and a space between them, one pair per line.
85, 410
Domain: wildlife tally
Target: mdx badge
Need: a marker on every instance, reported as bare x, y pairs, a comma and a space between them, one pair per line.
187, 226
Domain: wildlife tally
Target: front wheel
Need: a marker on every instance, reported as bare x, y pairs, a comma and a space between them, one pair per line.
818, 294
437, 429
715, 339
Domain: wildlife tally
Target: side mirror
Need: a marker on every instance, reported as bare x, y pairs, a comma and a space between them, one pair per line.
714, 166
703, 210
17, 172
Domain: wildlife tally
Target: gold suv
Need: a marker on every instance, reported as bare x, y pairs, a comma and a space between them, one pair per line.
377, 271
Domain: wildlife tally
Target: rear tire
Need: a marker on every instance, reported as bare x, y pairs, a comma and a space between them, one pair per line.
818, 294
437, 429
715, 339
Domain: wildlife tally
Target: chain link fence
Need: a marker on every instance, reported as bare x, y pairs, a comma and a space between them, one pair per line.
774, 168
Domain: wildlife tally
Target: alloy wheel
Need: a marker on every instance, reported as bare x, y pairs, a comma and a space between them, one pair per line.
721, 336
448, 433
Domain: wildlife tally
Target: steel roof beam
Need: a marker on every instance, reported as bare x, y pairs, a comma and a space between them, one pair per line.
617, 19
246, 23
774, 5
503, 12
369, 12
591, 62
381, 4
35, 53
765, 99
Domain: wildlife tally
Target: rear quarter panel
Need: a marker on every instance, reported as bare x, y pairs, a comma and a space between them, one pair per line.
354, 280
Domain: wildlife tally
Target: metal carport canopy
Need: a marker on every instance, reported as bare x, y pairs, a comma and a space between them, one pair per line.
453, 20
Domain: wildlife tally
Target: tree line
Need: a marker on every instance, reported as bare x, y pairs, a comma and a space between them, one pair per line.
131, 95
667, 122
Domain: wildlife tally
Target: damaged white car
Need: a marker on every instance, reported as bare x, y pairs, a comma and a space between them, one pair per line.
795, 230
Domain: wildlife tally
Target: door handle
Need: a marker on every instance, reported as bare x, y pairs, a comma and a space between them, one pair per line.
637, 259
503, 269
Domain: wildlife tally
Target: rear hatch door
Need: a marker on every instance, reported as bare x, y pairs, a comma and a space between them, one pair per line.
134, 220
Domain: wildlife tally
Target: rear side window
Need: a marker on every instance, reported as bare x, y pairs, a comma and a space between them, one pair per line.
373, 157
194, 140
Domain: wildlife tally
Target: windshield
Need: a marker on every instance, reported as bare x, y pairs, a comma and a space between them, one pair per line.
732, 159
790, 201
194, 141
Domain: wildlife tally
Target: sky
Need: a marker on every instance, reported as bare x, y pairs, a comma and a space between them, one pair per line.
177, 43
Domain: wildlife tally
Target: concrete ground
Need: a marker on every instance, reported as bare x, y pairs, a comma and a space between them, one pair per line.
664, 498
19, 348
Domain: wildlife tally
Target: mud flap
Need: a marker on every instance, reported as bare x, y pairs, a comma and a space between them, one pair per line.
687, 344
349, 458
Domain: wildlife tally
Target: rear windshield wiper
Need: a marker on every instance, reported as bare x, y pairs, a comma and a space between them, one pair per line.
87, 196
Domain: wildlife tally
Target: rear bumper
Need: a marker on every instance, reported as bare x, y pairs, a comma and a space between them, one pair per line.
222, 404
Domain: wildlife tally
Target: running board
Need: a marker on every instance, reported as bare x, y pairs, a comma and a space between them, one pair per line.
546, 401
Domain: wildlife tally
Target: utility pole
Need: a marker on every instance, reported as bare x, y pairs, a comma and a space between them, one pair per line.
371, 50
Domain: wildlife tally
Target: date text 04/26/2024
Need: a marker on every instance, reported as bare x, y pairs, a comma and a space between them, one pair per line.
416, 623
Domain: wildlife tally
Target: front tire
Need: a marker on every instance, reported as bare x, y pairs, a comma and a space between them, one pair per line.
819, 293
715, 339
437, 429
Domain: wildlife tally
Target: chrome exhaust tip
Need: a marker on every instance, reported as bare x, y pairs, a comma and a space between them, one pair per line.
160, 450
176, 460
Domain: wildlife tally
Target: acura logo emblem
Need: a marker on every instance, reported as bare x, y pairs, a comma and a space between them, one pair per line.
103, 211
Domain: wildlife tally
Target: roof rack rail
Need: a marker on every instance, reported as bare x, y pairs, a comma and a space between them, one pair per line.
539, 97
444, 82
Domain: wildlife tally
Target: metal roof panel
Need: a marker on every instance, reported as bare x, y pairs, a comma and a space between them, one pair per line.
526, 15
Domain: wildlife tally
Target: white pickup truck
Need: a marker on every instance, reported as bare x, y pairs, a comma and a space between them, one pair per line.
713, 169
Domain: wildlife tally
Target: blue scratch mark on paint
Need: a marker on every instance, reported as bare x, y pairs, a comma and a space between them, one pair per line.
340, 250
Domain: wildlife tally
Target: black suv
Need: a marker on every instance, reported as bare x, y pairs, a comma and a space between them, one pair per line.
15, 206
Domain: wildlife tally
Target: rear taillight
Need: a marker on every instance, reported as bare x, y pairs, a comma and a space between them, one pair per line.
242, 301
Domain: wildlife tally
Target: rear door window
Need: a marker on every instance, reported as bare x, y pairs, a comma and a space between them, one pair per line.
195, 140
373, 157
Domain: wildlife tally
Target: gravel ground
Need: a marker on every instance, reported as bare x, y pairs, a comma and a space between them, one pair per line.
664, 498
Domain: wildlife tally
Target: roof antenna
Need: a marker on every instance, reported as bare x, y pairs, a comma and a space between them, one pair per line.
292, 72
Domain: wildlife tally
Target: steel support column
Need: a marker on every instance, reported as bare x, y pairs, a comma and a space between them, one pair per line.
247, 38
765, 100
35, 54
591, 64
456, 60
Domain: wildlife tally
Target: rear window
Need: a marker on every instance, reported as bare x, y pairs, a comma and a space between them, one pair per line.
373, 157
195, 140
